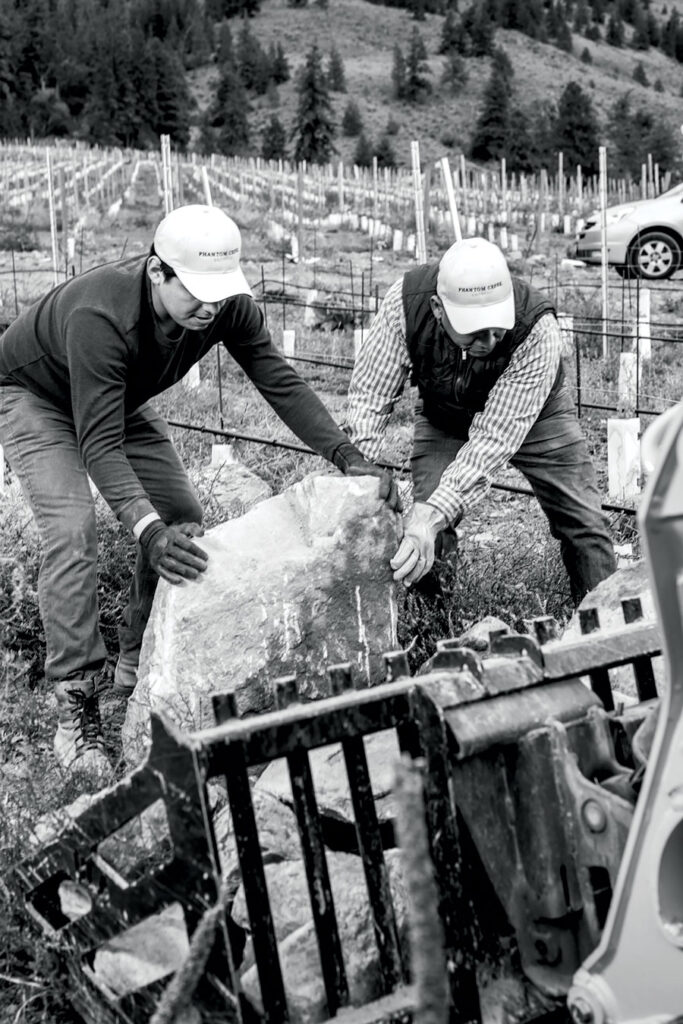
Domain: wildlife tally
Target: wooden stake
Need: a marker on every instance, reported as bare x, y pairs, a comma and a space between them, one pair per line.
53, 219
421, 244
602, 155
450, 195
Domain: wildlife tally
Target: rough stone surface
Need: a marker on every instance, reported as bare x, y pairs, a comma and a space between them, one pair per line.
233, 487
331, 781
146, 952
277, 829
298, 583
478, 635
628, 582
296, 934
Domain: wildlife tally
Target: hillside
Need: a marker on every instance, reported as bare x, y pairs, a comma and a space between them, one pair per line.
365, 35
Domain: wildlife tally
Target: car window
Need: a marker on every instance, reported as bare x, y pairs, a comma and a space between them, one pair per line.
677, 190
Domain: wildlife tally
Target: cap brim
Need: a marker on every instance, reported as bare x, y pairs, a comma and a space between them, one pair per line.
214, 287
468, 319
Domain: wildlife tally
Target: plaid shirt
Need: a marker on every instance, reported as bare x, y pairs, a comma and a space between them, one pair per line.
497, 432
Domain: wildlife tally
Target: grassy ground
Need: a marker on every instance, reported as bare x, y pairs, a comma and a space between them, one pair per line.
507, 563
365, 35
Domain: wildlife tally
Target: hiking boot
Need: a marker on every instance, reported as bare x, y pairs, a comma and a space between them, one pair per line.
78, 743
126, 673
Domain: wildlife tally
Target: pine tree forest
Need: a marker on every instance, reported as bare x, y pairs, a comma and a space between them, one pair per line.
115, 72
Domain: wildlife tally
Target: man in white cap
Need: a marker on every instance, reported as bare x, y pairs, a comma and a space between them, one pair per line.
483, 350
77, 370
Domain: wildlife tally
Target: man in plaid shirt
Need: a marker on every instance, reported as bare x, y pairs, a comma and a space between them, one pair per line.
483, 350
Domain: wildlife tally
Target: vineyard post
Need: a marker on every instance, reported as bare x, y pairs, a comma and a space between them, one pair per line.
463, 184
420, 247
53, 221
602, 156
450, 195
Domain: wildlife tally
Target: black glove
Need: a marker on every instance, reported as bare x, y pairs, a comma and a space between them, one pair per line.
351, 462
170, 551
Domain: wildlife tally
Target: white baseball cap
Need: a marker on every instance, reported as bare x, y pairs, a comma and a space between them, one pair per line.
475, 287
203, 245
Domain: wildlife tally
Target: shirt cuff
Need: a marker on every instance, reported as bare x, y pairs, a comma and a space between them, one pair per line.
452, 507
142, 523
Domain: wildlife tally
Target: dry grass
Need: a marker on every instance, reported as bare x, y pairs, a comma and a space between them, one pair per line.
365, 35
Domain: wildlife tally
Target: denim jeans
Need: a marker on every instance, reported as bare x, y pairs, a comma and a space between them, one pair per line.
40, 444
555, 460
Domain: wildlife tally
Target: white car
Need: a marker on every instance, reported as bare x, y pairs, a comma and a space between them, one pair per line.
644, 238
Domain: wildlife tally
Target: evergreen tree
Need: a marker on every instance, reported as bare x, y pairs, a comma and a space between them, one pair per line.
542, 130
581, 17
173, 95
417, 86
274, 140
527, 16
454, 75
669, 35
576, 129
633, 133
599, 8
279, 65
254, 69
385, 152
352, 122
520, 153
48, 115
653, 29
225, 53
659, 85
504, 63
586, 57
225, 126
363, 153
335, 71
71, 64
198, 39
639, 74
478, 32
564, 37
614, 34
640, 40
418, 9
552, 19
144, 84
314, 129
490, 138
398, 73
449, 33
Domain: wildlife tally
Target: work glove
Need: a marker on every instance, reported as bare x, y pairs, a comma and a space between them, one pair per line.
351, 462
415, 555
171, 552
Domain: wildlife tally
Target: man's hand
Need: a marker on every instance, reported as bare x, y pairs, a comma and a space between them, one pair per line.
415, 555
351, 462
171, 553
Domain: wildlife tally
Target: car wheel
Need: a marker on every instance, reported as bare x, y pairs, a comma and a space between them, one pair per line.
655, 255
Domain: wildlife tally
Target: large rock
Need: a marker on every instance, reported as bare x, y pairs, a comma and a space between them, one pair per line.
294, 930
299, 582
231, 486
277, 831
333, 795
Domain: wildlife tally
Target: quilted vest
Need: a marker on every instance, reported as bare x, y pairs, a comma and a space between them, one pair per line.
452, 387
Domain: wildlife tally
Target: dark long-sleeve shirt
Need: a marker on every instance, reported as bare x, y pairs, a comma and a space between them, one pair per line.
94, 348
